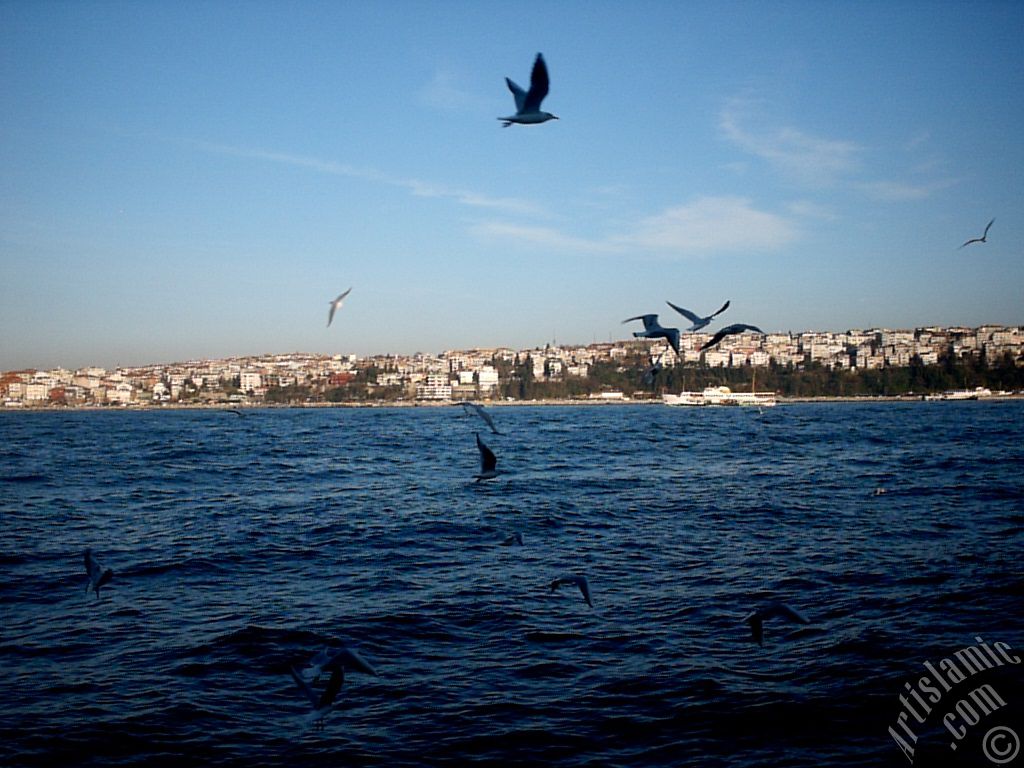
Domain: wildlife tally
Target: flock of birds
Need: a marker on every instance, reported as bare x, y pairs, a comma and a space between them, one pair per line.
337, 661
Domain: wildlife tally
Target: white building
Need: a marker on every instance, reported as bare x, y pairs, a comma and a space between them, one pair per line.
435, 387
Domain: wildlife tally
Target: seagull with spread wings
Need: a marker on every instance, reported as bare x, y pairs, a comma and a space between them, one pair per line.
698, 322
729, 330
983, 237
336, 305
653, 330
528, 111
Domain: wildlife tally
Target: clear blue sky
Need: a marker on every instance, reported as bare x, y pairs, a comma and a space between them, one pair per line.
198, 179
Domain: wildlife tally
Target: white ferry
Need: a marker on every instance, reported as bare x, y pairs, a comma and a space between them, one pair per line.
720, 396
962, 394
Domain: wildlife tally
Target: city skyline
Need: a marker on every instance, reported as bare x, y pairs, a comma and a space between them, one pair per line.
199, 181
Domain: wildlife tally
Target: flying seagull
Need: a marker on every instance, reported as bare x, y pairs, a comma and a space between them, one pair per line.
654, 368
579, 581
488, 461
97, 575
329, 659
336, 305
698, 322
528, 102
652, 330
482, 414
982, 238
774, 610
729, 330
323, 703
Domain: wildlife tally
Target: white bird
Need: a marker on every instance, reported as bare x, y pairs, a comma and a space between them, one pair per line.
97, 575
652, 330
328, 659
773, 610
983, 237
698, 322
528, 102
729, 330
488, 461
482, 414
336, 305
579, 581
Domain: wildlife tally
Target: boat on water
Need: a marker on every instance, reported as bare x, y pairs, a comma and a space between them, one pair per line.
961, 394
720, 396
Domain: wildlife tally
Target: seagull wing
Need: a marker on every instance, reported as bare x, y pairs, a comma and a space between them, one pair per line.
783, 611
332, 690
518, 93
685, 313
672, 334
650, 321
488, 461
724, 307
304, 686
352, 661
756, 627
716, 338
584, 585
538, 86
330, 314
985, 233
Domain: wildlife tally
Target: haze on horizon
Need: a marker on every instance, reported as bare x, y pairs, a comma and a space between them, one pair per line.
199, 180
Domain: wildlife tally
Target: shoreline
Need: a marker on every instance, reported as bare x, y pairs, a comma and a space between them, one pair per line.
597, 402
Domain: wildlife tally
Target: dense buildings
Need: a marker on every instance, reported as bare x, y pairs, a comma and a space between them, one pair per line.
486, 373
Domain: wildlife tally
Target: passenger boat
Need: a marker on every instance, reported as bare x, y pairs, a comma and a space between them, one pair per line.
720, 396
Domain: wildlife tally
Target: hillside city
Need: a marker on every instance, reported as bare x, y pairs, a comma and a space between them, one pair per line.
501, 373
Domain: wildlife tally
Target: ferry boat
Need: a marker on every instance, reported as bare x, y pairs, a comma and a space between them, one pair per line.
962, 394
720, 396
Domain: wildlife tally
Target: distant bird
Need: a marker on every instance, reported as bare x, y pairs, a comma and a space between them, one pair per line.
323, 703
652, 330
329, 659
482, 414
234, 411
773, 610
651, 374
698, 322
579, 581
729, 330
528, 102
880, 491
514, 538
336, 305
982, 238
97, 575
488, 461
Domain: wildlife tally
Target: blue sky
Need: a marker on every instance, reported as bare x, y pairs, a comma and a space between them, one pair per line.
198, 179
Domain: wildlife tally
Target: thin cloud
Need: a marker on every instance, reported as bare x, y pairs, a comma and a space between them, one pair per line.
801, 156
705, 226
895, 191
415, 187
445, 92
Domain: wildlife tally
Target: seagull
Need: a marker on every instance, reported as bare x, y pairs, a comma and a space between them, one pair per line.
482, 414
515, 538
653, 370
336, 305
528, 102
982, 238
728, 331
774, 610
329, 660
579, 581
323, 703
97, 576
652, 330
698, 322
488, 461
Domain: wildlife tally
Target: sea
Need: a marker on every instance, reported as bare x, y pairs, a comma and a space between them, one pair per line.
242, 545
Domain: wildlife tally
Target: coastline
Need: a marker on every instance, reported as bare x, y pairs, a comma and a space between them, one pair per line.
596, 402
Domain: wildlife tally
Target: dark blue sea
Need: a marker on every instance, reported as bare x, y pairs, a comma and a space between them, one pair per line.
241, 545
